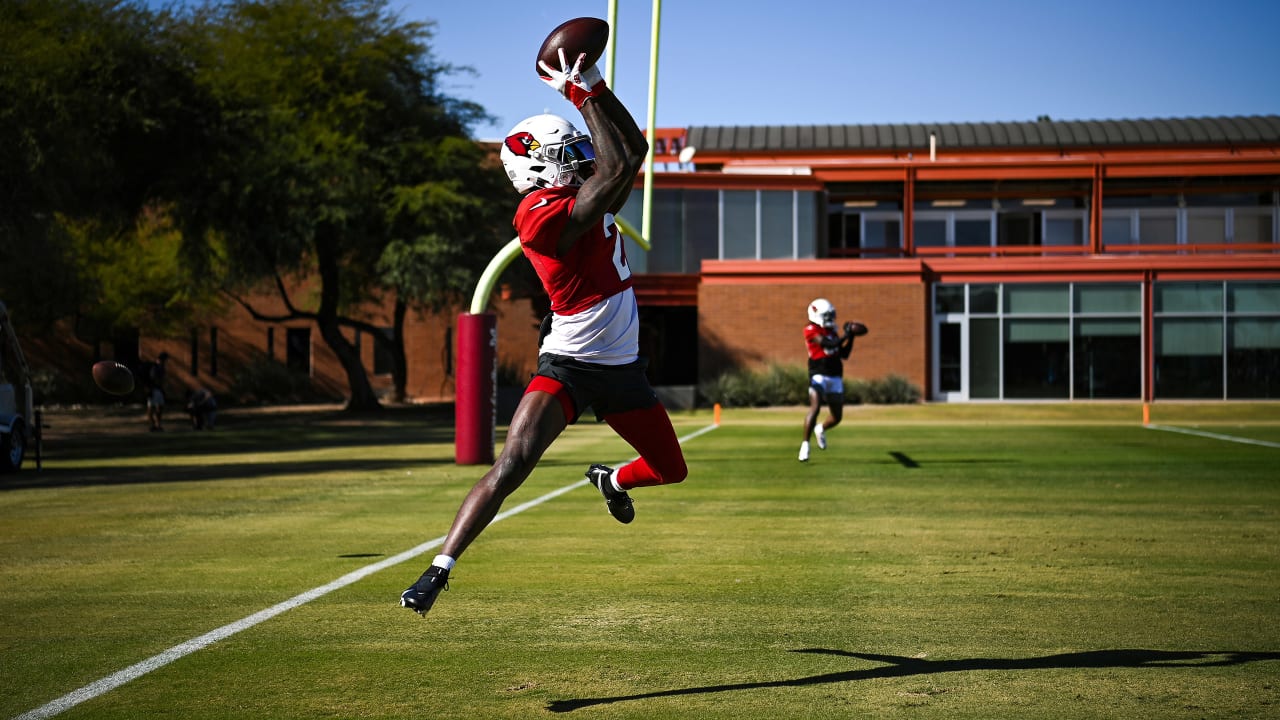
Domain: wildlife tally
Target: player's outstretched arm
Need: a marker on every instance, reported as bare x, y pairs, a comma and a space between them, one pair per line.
619, 144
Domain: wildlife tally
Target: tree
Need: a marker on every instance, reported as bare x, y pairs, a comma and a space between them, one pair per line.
97, 104
338, 158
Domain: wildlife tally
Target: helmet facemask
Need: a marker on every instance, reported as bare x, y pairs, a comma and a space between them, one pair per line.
547, 151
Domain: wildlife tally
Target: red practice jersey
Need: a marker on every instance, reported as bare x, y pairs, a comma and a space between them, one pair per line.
823, 360
593, 306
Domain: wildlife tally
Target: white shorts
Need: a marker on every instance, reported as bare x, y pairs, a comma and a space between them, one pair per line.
827, 385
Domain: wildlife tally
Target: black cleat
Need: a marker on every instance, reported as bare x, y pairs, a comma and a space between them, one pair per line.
618, 503
422, 595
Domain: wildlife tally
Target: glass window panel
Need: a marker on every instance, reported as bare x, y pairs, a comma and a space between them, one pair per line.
984, 298
1025, 299
701, 229
1064, 231
666, 252
1207, 226
1159, 229
1100, 327
883, 232
777, 223
1253, 297
949, 342
739, 224
931, 233
1018, 228
1117, 229
1026, 331
806, 224
948, 299
973, 233
1108, 359
1188, 358
1178, 337
1253, 359
1255, 333
1110, 298
984, 358
1251, 226
1036, 359
1188, 297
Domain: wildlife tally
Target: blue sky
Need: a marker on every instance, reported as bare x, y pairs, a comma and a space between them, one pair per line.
807, 62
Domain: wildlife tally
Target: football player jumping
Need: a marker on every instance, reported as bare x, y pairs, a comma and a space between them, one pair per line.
572, 185
827, 352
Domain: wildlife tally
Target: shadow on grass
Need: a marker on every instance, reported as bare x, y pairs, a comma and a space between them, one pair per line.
906, 667
91, 435
157, 474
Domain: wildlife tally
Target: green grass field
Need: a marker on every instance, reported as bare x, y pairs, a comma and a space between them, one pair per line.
963, 561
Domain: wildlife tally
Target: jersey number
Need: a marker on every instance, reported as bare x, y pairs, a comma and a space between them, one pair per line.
619, 255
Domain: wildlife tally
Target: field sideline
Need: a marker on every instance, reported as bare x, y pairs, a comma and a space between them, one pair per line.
985, 561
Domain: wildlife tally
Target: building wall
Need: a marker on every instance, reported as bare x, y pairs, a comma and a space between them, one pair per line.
752, 324
66, 355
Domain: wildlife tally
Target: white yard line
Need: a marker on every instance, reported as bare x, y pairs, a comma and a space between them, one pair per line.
155, 662
1215, 436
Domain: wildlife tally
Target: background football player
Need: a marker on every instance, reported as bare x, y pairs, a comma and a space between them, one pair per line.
827, 351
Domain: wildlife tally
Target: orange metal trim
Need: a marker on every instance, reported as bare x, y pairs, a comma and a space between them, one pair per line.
1038, 156
870, 174
733, 181
792, 272
1226, 167
1004, 269
1004, 172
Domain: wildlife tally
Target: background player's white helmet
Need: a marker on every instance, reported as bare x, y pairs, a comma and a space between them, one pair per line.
822, 312
547, 151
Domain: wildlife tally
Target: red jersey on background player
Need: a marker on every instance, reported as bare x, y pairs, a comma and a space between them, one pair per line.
827, 351
589, 357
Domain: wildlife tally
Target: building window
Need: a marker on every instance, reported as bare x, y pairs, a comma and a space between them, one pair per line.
689, 226
738, 225
213, 351
382, 362
1040, 341
298, 350
955, 228
1217, 340
195, 352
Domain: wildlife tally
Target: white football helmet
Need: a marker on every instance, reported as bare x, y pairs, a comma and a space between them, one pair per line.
547, 151
822, 312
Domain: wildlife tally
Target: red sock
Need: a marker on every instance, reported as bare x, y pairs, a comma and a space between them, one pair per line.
649, 431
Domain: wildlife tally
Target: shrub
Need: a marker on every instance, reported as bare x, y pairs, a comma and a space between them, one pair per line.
788, 385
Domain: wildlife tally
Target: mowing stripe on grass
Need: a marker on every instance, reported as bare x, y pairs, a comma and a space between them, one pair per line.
155, 662
1215, 436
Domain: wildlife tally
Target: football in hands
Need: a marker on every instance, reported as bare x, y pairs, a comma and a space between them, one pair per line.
113, 377
584, 35
855, 329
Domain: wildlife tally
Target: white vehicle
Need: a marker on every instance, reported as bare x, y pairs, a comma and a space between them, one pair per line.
19, 424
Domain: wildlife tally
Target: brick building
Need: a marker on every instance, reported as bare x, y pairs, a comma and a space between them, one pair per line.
1125, 259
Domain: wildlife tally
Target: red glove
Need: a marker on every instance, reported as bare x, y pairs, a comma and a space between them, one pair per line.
575, 83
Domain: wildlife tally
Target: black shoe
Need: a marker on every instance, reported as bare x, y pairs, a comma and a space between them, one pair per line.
619, 503
422, 595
